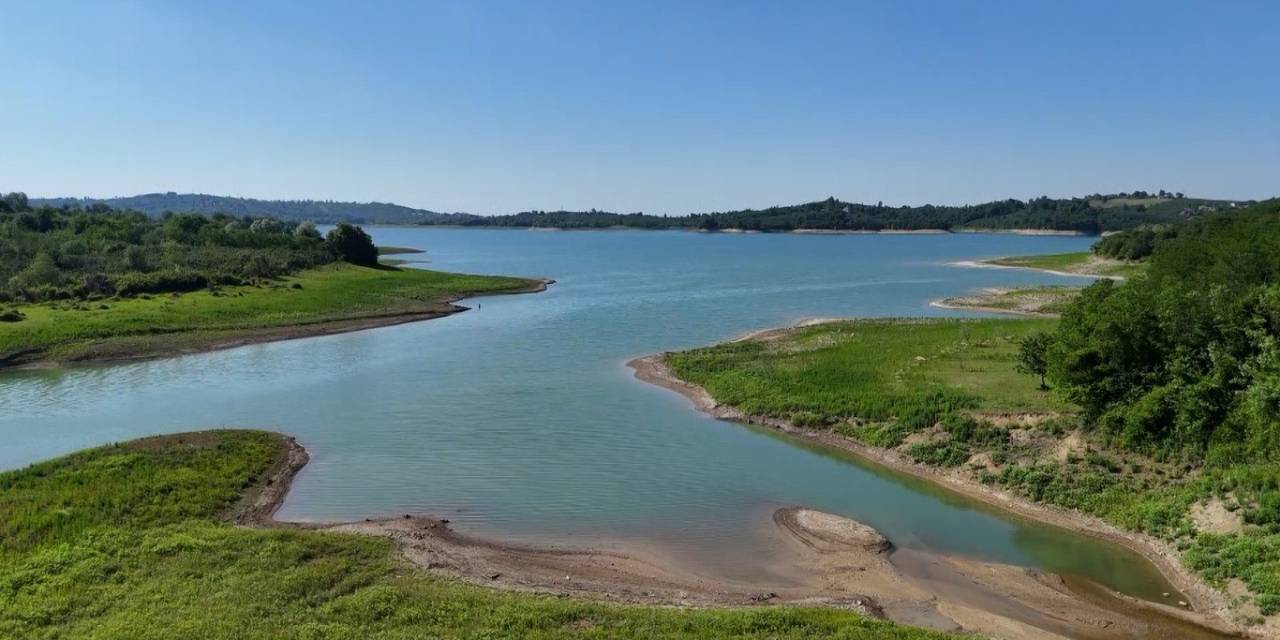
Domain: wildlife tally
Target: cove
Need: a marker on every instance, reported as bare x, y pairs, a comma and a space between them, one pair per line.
518, 420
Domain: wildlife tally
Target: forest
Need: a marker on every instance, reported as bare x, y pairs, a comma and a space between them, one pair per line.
73, 253
1185, 359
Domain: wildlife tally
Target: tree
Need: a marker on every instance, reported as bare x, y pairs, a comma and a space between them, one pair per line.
42, 271
1033, 356
306, 229
16, 201
352, 244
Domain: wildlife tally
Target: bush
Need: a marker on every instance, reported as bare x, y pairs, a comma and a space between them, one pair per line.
131, 284
351, 244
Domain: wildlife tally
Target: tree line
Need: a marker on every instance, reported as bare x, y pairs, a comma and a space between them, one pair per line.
1092, 215
51, 253
1184, 359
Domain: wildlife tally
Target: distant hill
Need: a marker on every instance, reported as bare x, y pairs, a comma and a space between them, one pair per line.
1092, 215
321, 211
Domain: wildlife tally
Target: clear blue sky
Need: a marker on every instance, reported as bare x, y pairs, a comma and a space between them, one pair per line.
494, 107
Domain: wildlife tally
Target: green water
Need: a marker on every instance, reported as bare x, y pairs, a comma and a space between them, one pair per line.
519, 419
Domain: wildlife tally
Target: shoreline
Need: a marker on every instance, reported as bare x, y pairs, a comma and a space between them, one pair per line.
840, 563
1204, 598
234, 338
989, 264
738, 230
1022, 301
942, 303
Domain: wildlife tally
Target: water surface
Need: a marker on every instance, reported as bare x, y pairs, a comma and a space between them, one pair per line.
519, 420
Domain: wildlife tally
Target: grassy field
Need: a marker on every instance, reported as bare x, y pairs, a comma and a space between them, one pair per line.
126, 541
1082, 262
939, 390
155, 325
872, 370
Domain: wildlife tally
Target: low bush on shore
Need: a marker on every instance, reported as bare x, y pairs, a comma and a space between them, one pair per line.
126, 541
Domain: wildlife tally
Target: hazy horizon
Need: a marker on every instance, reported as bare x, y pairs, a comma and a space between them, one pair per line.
665, 108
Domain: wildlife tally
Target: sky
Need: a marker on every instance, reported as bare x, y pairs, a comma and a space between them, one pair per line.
662, 107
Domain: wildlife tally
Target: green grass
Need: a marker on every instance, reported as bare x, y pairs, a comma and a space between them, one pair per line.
1082, 262
126, 542
874, 370
155, 325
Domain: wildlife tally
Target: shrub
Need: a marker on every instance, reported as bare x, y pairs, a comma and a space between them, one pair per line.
351, 244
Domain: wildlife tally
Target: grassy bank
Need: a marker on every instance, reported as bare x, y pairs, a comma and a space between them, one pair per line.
313, 301
1081, 262
872, 370
128, 541
947, 393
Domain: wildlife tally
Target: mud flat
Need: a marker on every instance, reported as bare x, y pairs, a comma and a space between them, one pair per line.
835, 561
1209, 613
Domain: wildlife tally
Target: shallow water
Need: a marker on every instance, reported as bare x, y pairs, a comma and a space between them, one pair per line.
519, 420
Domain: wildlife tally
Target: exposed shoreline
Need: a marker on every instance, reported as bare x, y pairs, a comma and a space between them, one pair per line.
989, 264
1027, 302
944, 303
204, 342
1162, 555
840, 563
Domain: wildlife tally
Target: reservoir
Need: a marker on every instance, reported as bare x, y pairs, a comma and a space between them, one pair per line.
518, 419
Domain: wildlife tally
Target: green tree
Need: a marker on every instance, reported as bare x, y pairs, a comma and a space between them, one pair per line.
352, 244
1033, 356
306, 229
42, 271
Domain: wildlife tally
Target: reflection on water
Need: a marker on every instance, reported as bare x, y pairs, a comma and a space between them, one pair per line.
518, 419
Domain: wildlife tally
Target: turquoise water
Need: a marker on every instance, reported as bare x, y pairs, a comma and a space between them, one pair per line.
519, 420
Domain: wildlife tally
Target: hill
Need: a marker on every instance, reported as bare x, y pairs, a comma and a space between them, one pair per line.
320, 211
1092, 214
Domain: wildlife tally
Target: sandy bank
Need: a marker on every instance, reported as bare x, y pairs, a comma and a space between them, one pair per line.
842, 563
952, 303
987, 264
1019, 301
1210, 605
1027, 232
